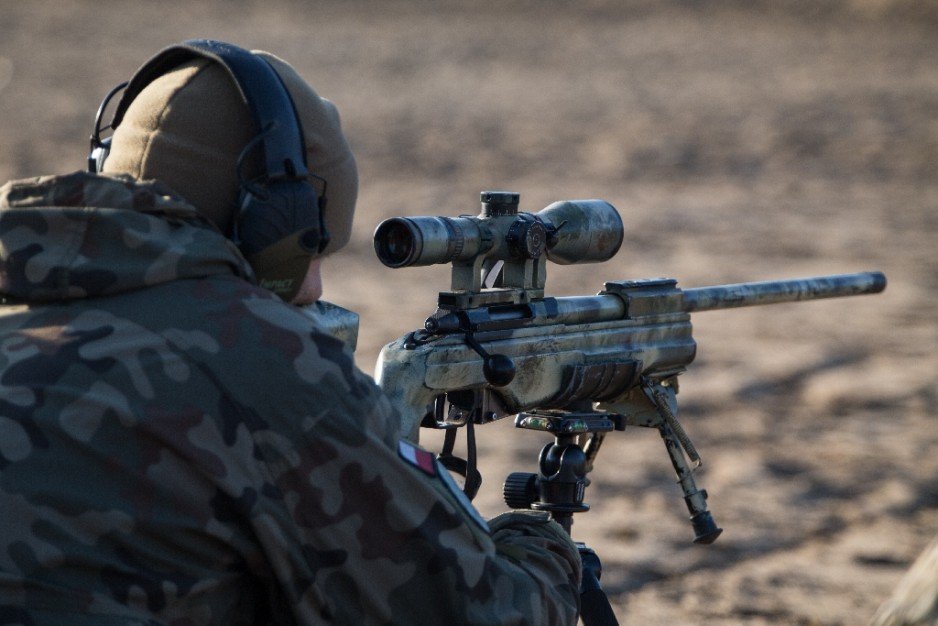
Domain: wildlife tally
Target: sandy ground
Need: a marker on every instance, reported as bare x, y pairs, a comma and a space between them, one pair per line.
739, 141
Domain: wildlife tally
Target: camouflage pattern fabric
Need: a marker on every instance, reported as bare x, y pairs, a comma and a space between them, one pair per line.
179, 446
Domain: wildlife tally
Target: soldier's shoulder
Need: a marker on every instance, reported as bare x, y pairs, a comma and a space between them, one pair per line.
294, 349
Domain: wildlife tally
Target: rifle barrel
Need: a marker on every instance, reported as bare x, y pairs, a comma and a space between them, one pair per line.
776, 291
636, 299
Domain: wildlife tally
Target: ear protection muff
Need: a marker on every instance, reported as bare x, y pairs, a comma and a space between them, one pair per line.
280, 204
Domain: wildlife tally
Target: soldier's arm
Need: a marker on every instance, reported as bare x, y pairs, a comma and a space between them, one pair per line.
360, 526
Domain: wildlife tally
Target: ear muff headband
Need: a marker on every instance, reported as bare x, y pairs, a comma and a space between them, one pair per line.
260, 88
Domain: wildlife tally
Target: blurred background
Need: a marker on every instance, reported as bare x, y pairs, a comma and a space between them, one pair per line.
739, 141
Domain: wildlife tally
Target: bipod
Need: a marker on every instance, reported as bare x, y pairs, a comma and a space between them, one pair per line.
560, 486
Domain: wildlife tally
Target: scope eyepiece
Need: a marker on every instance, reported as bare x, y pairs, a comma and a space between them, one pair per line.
395, 242
406, 241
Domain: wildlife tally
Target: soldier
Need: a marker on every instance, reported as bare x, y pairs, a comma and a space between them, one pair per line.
178, 443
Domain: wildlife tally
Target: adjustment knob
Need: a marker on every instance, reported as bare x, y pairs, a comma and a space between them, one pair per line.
520, 490
498, 203
527, 237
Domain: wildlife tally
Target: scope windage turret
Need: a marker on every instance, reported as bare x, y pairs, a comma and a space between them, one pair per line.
571, 231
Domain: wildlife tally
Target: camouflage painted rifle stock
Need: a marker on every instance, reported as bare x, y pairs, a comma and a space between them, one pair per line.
577, 367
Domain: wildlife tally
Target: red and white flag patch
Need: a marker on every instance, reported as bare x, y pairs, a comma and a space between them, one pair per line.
417, 457
426, 462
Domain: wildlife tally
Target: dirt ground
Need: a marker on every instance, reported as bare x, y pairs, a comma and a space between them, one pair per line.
739, 141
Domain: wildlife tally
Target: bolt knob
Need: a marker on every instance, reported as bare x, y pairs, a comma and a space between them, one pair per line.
498, 370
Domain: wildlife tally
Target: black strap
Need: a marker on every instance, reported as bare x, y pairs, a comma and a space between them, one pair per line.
464, 467
260, 88
595, 609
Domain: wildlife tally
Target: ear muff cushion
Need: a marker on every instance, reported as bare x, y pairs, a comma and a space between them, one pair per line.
277, 207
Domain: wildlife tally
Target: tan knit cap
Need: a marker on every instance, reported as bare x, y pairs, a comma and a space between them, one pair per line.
188, 127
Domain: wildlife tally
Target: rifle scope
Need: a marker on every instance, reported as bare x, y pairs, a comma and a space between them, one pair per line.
571, 231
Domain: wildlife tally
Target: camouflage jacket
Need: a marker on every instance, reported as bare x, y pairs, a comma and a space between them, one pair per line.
179, 446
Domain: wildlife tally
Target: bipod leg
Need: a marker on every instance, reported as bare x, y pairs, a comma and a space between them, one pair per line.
595, 609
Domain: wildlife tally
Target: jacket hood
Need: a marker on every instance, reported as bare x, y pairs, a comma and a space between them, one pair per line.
83, 235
